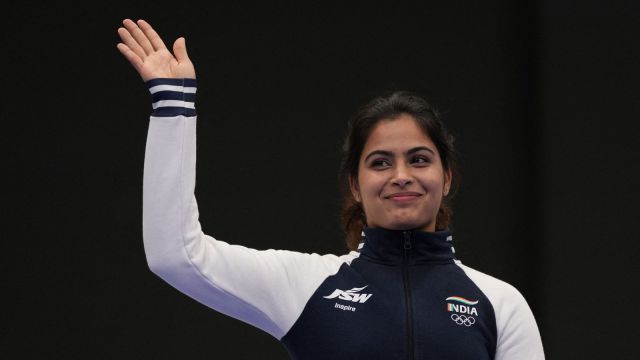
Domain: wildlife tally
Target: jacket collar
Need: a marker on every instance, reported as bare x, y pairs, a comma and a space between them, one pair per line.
410, 246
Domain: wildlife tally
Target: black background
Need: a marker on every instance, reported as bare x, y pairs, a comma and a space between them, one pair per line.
541, 96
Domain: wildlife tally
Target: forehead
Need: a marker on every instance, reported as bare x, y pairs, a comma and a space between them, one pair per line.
397, 135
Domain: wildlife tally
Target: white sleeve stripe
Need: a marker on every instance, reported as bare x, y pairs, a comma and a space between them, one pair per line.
184, 89
173, 103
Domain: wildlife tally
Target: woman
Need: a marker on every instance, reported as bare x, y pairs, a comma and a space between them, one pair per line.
399, 292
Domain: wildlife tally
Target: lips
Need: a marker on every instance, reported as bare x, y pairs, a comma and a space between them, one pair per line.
404, 196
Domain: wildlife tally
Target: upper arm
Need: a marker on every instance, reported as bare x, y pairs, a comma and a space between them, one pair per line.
518, 335
517, 332
266, 288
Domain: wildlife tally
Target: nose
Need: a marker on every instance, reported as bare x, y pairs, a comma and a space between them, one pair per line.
402, 177
402, 182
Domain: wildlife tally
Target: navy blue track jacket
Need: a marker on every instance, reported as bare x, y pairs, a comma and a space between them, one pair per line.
401, 295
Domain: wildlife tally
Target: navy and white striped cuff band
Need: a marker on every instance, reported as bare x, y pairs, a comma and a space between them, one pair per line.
173, 97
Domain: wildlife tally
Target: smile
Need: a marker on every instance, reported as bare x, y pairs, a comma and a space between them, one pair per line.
404, 196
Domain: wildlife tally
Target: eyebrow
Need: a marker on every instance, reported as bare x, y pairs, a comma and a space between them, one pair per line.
390, 153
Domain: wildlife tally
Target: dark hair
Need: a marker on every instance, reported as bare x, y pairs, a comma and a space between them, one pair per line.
387, 107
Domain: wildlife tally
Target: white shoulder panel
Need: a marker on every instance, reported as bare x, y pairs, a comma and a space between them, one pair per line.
518, 337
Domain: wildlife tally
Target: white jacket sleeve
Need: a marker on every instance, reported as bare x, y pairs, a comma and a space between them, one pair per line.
267, 289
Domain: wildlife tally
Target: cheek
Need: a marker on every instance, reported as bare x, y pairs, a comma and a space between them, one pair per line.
434, 183
371, 185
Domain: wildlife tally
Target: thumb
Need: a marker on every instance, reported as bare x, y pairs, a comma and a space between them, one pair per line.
180, 50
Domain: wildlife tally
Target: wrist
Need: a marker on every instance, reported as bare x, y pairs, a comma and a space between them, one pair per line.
172, 96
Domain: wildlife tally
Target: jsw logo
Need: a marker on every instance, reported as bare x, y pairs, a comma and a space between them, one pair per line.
352, 295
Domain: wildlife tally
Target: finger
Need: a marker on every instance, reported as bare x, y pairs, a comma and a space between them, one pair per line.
180, 50
139, 36
133, 58
128, 40
152, 35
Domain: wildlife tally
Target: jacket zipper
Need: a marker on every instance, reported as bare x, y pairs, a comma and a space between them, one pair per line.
407, 293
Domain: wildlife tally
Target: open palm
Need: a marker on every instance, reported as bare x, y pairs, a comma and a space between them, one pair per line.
146, 51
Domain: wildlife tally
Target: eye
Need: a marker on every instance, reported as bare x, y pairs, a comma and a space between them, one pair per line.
420, 160
380, 163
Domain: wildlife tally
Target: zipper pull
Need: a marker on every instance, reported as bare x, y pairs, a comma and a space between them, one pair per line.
407, 240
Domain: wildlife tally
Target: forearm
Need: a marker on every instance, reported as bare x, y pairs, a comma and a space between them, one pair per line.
170, 214
176, 248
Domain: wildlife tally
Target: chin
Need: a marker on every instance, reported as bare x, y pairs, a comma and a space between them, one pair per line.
407, 225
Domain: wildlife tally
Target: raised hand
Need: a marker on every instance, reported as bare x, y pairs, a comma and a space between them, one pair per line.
146, 51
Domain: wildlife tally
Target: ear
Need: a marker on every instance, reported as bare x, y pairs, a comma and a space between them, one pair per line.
448, 178
355, 189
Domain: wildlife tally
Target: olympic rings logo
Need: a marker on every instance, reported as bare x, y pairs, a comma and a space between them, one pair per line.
463, 319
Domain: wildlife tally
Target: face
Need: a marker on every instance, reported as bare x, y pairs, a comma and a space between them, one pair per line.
401, 180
